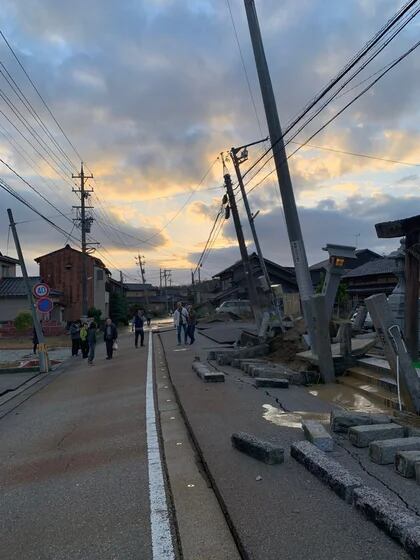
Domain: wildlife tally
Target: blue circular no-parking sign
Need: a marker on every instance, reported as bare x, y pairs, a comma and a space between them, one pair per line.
45, 305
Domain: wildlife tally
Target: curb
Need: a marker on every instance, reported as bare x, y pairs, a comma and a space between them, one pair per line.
396, 521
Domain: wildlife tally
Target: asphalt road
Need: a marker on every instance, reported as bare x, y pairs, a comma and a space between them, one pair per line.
288, 514
73, 473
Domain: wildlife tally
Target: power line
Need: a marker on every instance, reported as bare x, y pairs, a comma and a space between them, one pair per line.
185, 203
40, 96
383, 73
349, 66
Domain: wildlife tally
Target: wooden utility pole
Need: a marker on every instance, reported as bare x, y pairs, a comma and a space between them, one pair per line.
42, 350
142, 263
85, 224
236, 162
253, 296
303, 276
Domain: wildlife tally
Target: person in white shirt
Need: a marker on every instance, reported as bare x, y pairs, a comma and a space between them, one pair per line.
181, 321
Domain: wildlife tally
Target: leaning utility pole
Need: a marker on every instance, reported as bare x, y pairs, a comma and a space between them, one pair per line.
303, 276
236, 161
85, 225
253, 296
140, 259
43, 355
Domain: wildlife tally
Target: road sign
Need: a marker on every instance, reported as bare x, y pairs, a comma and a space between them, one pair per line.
41, 290
45, 305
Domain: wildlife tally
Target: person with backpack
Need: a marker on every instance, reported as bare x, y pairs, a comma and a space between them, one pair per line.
84, 345
91, 341
110, 336
181, 321
192, 321
138, 328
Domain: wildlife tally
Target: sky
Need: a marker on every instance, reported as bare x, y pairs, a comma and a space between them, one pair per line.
150, 92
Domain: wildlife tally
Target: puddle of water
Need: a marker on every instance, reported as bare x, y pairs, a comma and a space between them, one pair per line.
292, 419
346, 397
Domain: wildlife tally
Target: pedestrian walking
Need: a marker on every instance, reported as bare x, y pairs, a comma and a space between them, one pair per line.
181, 321
84, 345
91, 340
75, 338
148, 318
35, 340
138, 328
192, 321
110, 337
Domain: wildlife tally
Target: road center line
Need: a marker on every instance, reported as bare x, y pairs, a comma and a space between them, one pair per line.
162, 546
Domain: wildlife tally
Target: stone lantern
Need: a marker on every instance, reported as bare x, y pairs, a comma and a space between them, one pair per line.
397, 299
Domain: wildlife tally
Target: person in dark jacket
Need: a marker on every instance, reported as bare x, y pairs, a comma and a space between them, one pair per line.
91, 340
110, 336
138, 328
35, 340
75, 338
192, 321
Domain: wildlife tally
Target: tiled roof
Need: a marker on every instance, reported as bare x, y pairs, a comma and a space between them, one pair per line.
138, 287
15, 287
9, 260
383, 265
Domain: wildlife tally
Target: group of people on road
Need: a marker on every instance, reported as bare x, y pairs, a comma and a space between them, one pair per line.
185, 321
83, 337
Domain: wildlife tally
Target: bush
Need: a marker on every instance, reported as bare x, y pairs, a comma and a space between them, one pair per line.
23, 321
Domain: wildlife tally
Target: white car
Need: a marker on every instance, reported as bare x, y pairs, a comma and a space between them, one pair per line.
236, 306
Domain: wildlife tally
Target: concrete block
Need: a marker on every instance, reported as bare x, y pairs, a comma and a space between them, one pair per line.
417, 469
207, 375
327, 470
318, 435
258, 449
405, 462
398, 522
272, 382
383, 452
362, 436
342, 420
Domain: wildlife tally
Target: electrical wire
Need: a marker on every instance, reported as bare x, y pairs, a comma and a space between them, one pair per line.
349, 66
369, 86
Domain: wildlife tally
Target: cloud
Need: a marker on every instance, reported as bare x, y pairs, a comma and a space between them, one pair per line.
151, 92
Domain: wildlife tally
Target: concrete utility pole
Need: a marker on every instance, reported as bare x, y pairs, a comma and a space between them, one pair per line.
236, 162
253, 296
303, 276
43, 355
166, 274
142, 263
85, 225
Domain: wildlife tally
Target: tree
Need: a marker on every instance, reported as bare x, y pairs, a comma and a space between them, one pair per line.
23, 321
95, 313
118, 308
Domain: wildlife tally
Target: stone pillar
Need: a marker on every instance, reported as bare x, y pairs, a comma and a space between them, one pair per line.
322, 338
397, 299
395, 350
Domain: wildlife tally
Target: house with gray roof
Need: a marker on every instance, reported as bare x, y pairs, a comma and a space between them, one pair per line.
374, 277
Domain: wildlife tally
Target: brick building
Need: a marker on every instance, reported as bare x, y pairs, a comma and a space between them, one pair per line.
62, 270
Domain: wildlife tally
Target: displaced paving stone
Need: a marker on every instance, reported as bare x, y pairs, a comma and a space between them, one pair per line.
383, 452
342, 420
207, 375
395, 520
264, 451
362, 436
318, 435
272, 382
327, 470
405, 462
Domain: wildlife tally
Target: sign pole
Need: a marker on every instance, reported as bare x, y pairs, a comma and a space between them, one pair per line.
42, 351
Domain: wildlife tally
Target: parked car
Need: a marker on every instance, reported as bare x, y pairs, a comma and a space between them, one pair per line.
237, 306
368, 324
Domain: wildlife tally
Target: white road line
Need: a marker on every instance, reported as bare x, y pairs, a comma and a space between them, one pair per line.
162, 546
